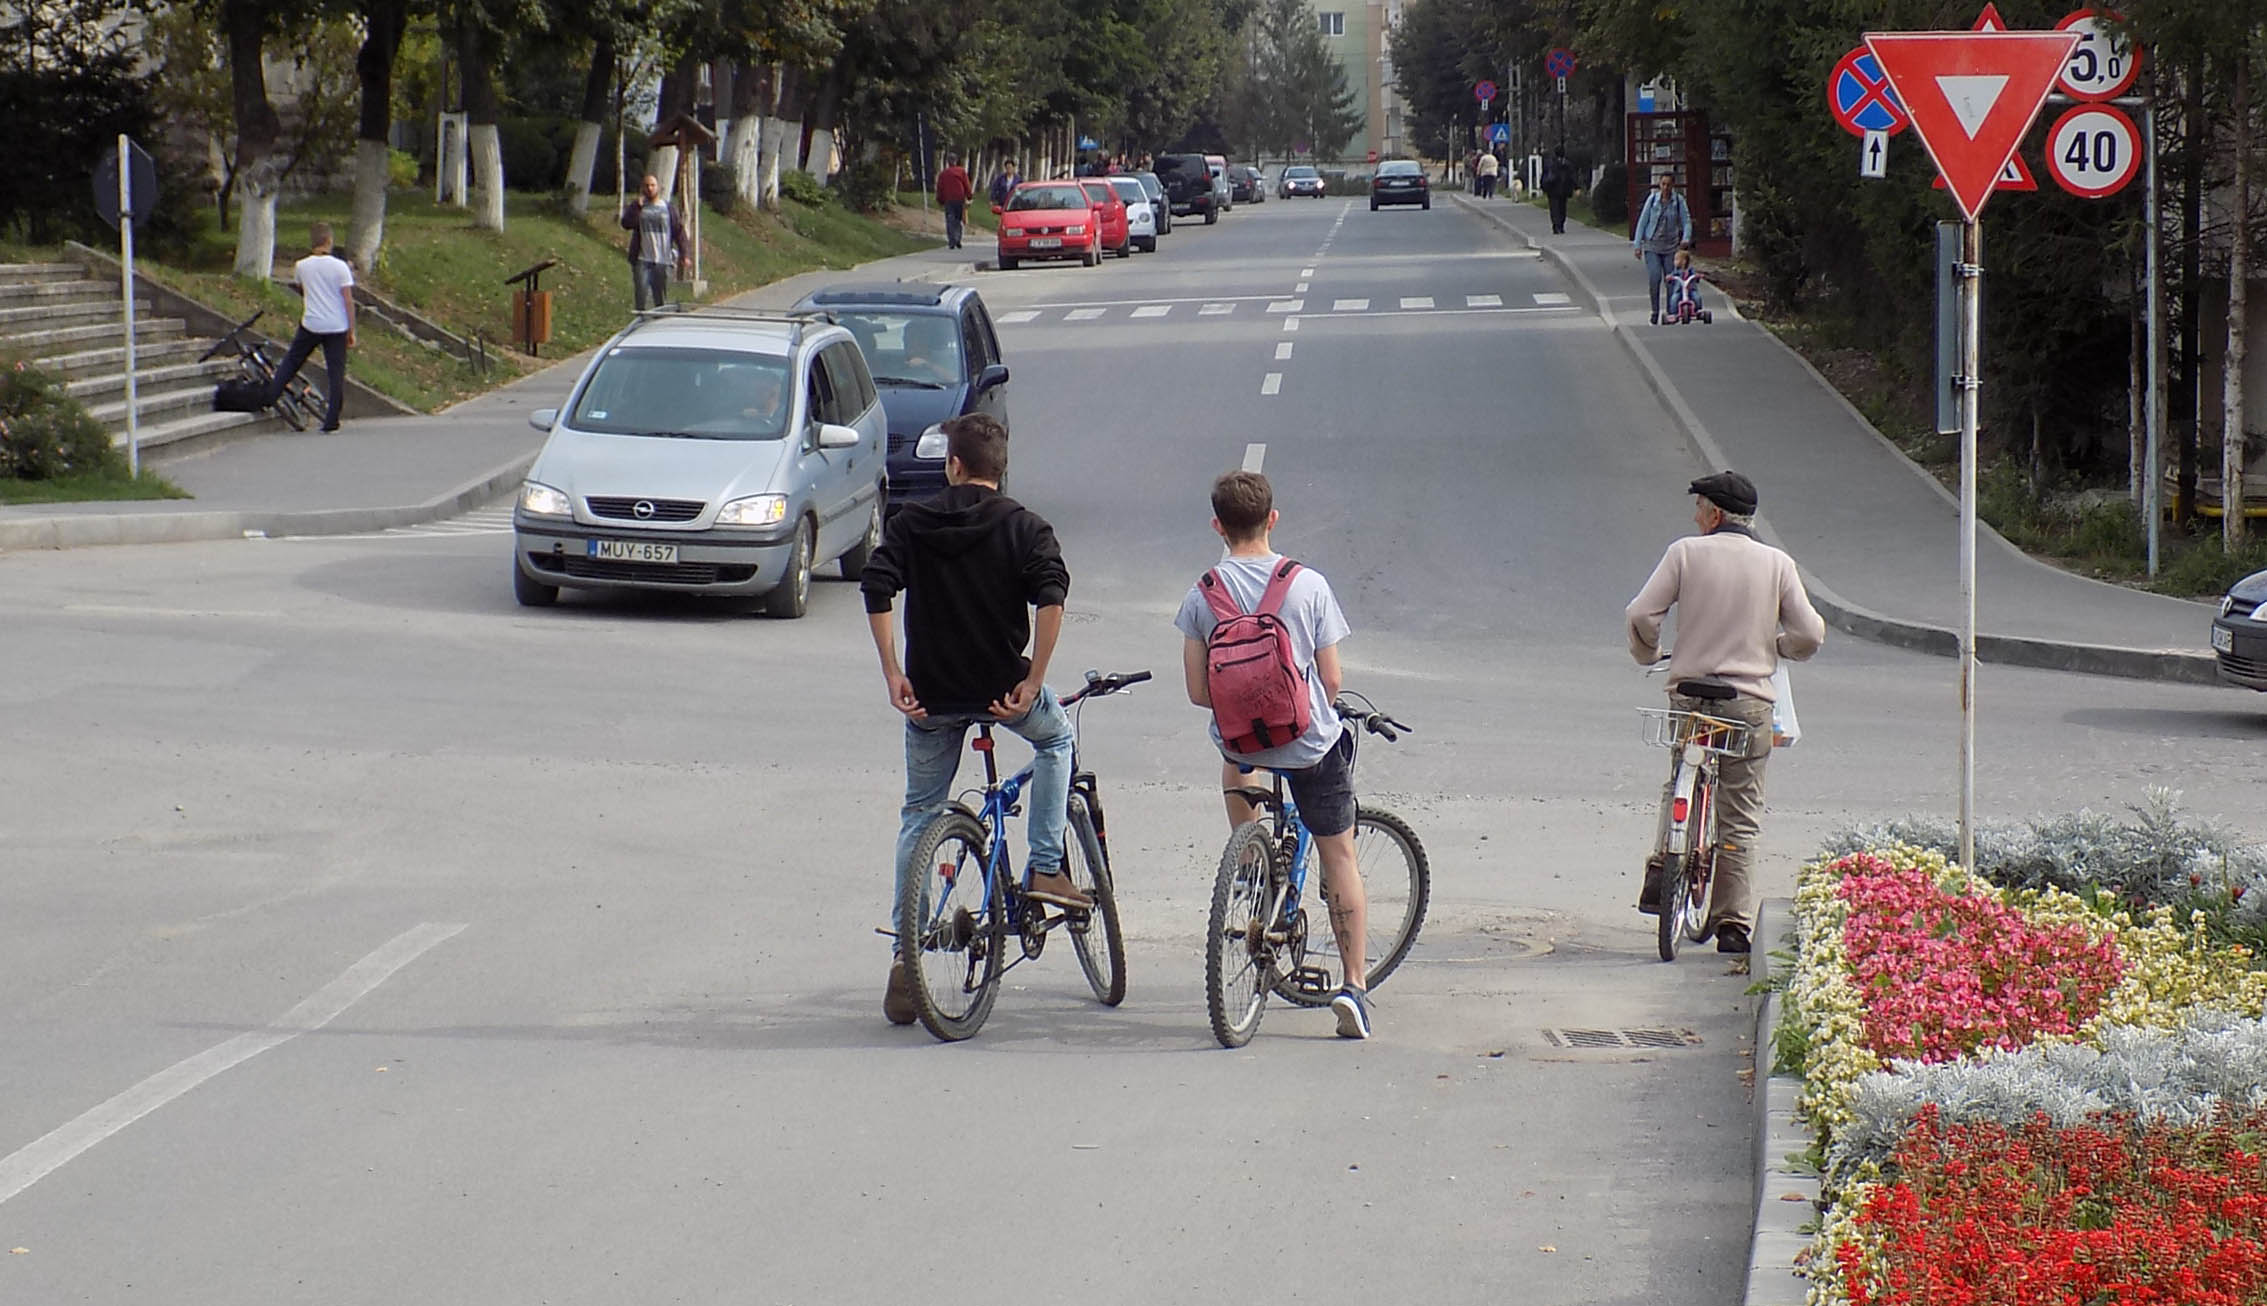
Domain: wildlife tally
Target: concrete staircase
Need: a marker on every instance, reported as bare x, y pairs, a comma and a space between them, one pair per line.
67, 321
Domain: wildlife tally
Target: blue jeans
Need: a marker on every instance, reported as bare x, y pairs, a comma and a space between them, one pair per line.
953, 211
932, 759
1657, 270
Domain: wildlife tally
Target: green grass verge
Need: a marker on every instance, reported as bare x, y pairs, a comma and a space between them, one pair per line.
90, 488
437, 263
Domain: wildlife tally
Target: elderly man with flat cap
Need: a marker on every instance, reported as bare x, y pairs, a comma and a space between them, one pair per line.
1740, 608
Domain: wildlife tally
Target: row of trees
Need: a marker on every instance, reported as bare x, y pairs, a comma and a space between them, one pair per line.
794, 77
2067, 291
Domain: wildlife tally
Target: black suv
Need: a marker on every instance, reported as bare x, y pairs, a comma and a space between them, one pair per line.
1188, 185
934, 355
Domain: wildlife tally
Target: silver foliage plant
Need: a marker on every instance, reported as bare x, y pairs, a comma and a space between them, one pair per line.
2178, 1077
2157, 855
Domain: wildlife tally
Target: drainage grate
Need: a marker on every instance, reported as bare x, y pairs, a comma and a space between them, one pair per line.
1620, 1038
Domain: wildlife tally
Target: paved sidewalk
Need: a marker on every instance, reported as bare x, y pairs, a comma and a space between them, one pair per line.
376, 473
1878, 539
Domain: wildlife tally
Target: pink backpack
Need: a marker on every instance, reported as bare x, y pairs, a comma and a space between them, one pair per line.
1259, 694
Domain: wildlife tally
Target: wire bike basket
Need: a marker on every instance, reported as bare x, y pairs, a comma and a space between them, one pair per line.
1670, 727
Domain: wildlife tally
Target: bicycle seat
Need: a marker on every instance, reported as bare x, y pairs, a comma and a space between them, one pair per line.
1708, 687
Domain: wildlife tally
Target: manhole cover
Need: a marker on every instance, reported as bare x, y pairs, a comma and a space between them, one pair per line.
1620, 1038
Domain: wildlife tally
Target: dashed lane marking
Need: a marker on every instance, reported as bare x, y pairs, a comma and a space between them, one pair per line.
1483, 301
1216, 310
1290, 324
1349, 306
1301, 288
1287, 306
1416, 301
1018, 317
1306, 272
1153, 310
1282, 350
1254, 455
1548, 297
1084, 314
1271, 384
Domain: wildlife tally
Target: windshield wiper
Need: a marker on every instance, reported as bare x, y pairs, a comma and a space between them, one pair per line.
907, 380
676, 435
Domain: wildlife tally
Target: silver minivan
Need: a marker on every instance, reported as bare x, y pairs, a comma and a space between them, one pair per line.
707, 452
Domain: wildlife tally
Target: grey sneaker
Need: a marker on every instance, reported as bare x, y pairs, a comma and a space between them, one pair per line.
897, 999
1352, 1007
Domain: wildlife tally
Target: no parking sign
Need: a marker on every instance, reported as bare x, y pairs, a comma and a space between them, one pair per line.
1861, 97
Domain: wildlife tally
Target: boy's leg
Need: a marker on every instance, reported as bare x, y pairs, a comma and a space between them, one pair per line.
303, 343
1047, 728
1324, 793
932, 759
334, 373
1240, 809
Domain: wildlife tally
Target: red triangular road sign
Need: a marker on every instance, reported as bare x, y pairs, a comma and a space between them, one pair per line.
1972, 96
1990, 21
2015, 176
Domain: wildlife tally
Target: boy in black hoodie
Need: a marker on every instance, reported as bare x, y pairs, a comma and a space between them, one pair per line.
972, 563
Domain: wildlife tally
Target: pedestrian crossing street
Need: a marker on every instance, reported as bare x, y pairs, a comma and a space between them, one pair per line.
1279, 306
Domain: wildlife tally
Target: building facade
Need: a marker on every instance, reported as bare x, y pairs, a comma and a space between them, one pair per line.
1358, 34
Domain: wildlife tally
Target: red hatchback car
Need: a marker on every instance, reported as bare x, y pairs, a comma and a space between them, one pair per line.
1117, 229
1050, 219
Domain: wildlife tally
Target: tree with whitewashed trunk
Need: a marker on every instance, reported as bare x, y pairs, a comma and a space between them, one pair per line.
477, 43
598, 86
751, 97
2239, 306
383, 23
258, 169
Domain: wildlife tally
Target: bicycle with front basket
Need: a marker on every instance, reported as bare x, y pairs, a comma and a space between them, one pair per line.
1686, 853
256, 364
1261, 940
960, 905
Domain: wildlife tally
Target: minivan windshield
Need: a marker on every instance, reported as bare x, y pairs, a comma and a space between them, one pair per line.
1065, 196
687, 393
916, 349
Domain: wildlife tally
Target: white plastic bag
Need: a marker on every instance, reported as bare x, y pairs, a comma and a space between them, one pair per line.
1785, 728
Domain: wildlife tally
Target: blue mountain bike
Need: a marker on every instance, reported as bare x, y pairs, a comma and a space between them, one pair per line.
1261, 939
961, 908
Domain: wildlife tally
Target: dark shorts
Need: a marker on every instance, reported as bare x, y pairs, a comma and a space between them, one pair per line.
1324, 792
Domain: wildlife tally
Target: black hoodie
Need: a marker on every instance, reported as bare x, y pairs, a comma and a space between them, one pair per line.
973, 563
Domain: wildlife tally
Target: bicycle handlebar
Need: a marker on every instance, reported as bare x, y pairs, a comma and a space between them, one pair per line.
1369, 718
230, 336
1098, 684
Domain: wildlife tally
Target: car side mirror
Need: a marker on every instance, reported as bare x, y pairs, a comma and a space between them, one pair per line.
995, 208
832, 436
992, 375
543, 419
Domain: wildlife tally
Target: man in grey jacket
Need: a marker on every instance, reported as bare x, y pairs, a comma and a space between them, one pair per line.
1740, 608
1663, 225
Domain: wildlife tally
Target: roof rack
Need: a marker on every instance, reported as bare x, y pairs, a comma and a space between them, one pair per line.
797, 320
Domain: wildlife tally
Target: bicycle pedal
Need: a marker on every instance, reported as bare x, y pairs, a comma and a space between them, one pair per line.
1313, 981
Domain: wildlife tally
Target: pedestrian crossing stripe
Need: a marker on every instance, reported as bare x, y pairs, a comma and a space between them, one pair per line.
1483, 301
1153, 310
1549, 298
1416, 301
494, 520
1287, 306
1215, 310
1349, 306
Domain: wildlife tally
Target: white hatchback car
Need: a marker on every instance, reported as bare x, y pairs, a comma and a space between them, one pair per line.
1141, 212
707, 452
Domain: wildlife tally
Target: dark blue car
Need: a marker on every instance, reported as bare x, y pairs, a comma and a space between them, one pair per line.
934, 356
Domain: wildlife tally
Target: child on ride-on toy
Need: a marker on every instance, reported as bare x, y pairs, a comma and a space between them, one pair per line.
1682, 289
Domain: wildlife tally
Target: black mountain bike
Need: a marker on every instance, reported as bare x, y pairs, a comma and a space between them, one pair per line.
301, 402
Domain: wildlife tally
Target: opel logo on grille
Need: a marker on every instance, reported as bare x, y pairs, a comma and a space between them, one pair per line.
642, 509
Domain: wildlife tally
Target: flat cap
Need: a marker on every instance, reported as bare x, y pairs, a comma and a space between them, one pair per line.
1730, 491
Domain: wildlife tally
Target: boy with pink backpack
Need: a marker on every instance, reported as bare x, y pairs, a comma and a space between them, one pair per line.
1261, 650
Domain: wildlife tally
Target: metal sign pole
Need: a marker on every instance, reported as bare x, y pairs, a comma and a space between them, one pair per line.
126, 284
2152, 475
1971, 388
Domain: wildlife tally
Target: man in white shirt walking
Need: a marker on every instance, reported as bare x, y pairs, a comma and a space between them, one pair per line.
1740, 608
326, 283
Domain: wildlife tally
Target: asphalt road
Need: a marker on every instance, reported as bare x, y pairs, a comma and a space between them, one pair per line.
367, 938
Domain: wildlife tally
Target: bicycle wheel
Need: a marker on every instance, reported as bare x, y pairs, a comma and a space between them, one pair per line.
1673, 924
950, 918
1700, 863
1238, 960
1396, 887
261, 373
1098, 940
311, 400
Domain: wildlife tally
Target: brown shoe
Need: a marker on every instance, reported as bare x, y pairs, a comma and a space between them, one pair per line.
1056, 887
897, 999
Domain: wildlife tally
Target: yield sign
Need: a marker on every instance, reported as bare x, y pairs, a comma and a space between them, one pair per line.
1971, 96
2015, 176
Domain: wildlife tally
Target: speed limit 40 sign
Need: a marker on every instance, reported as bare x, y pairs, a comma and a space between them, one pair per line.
2093, 150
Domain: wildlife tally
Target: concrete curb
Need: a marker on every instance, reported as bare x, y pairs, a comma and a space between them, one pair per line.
2178, 666
1786, 1196
187, 527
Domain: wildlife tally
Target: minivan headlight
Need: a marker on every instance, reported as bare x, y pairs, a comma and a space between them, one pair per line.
755, 510
540, 500
932, 443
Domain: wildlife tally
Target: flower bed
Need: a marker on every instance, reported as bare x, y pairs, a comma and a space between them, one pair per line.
2031, 1094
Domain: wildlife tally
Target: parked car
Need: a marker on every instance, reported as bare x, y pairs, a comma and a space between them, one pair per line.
1110, 208
934, 355
2239, 633
1222, 191
1189, 186
707, 452
1245, 185
1400, 181
1141, 216
1301, 179
1158, 201
1049, 219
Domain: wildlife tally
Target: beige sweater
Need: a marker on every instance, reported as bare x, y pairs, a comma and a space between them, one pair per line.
1740, 608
